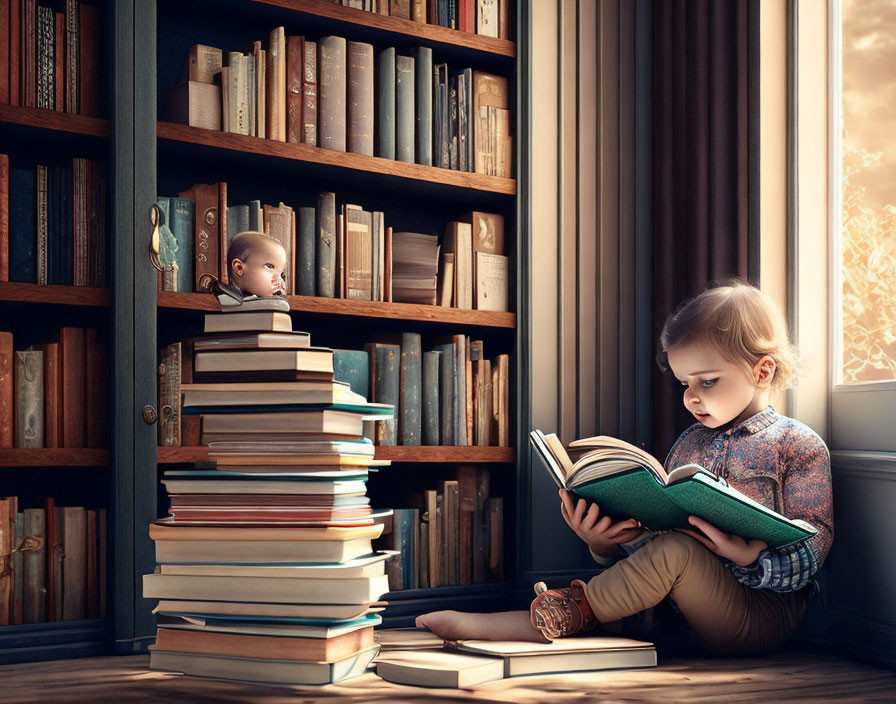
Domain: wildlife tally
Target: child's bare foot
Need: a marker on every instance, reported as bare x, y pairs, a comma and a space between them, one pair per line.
459, 625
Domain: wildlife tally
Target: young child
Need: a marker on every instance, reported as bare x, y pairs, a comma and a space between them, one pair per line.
729, 348
257, 264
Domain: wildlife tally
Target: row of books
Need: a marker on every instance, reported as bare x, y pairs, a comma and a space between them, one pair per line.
265, 567
338, 251
53, 562
342, 95
450, 535
50, 59
53, 223
490, 18
54, 394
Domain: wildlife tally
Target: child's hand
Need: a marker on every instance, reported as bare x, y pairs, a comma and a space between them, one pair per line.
602, 535
732, 547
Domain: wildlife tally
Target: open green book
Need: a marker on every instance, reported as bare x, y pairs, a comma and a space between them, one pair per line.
626, 482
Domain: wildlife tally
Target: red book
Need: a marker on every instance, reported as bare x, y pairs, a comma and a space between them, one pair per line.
89, 60
15, 39
4, 217
209, 254
6, 388
97, 397
4, 52
295, 60
52, 396
190, 430
73, 365
59, 62
466, 15
52, 539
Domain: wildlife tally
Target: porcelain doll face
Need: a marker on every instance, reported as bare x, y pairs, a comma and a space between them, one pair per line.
260, 265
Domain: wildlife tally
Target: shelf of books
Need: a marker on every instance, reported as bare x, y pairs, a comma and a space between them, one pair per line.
369, 407
55, 476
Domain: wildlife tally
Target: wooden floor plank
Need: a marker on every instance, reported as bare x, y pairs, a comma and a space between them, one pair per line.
787, 677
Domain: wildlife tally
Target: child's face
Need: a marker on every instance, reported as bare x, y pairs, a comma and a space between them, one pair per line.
261, 272
717, 390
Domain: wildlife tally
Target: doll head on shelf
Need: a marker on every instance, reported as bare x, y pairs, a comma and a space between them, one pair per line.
257, 264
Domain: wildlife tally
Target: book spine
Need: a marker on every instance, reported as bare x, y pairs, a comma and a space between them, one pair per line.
360, 98
305, 259
15, 44
98, 224
17, 566
58, 61
28, 55
405, 522
503, 19
452, 124
46, 37
309, 92
502, 399
404, 108
73, 57
423, 553
411, 381
169, 395
183, 228
29, 393
79, 221
4, 215
52, 537
72, 348
8, 545
385, 96
431, 400
326, 245
460, 392
487, 18
447, 386
52, 396
332, 93
58, 549
444, 143
46, 271
423, 98
65, 217
418, 11
463, 163
5, 31
276, 85
400, 8
466, 507
75, 563
295, 60
7, 385
387, 384
35, 588
22, 225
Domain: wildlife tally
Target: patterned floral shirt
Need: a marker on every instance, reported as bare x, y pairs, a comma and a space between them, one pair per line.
785, 466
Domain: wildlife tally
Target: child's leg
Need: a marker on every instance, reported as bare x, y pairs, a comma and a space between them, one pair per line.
727, 616
503, 625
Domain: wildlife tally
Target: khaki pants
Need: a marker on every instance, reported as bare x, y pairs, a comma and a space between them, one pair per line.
727, 617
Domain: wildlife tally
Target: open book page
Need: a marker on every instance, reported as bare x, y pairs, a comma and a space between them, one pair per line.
581, 449
546, 451
563, 645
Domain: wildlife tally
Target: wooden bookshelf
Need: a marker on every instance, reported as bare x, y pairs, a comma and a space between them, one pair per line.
422, 454
363, 309
54, 457
58, 295
218, 141
394, 26
54, 120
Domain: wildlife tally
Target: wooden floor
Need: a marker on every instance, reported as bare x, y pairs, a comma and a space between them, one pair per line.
788, 677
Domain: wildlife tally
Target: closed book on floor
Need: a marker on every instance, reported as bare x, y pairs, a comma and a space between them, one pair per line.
627, 482
247, 610
258, 670
217, 550
295, 627
437, 668
357, 568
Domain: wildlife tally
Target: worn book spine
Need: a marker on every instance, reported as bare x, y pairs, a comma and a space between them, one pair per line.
4, 55
34, 608
15, 39
203, 62
453, 156
450, 531
295, 60
423, 101
29, 412
447, 386
462, 122
332, 93
353, 366
435, 548
59, 62
91, 606
46, 38
423, 551
276, 85
466, 507
387, 384
385, 108
411, 381
418, 11
79, 222
278, 223
65, 203
182, 226
190, 431
487, 18
358, 254
72, 343
309, 94
501, 401
359, 83
169, 395
444, 145
18, 569
261, 81
8, 545
405, 522
7, 386
58, 550
22, 225
460, 393
98, 224
404, 108
207, 234
431, 400
326, 244
480, 527
47, 265
484, 396
49, 547
53, 409
73, 57
306, 274
4, 216
74, 564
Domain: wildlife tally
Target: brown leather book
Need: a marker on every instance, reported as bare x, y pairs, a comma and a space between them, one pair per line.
15, 45
34, 562
58, 552
74, 566
276, 85
97, 394
295, 62
331, 93
4, 219
400, 8
360, 98
59, 62
72, 344
207, 242
502, 399
28, 56
91, 596
7, 543
53, 416
89, 60
279, 223
7, 384
309, 93
4, 53
51, 547
190, 431
418, 11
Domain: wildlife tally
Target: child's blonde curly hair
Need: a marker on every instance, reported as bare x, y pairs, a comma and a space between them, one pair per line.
740, 321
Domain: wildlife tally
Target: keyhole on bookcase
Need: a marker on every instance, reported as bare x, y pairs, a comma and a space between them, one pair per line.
150, 415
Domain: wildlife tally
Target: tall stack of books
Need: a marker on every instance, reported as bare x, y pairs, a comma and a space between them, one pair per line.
265, 569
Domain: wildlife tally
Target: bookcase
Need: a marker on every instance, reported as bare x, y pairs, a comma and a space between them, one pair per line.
144, 46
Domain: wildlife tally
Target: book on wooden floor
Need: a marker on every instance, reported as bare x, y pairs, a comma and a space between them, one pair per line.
297, 627
625, 481
437, 668
260, 611
259, 670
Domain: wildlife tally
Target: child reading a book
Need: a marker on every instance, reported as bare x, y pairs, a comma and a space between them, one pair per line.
257, 264
729, 348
